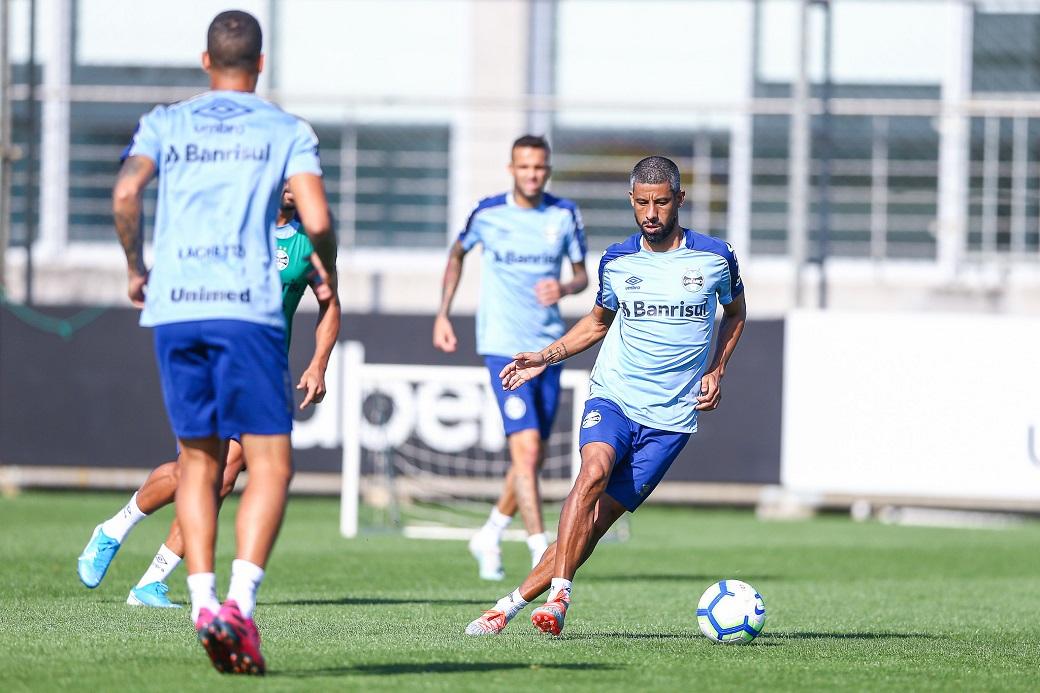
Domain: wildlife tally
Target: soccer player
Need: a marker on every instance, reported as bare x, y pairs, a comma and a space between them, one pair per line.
294, 259
655, 311
214, 301
526, 234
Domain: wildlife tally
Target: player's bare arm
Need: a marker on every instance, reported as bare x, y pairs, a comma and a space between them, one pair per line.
550, 291
312, 208
443, 333
588, 331
325, 333
734, 316
126, 208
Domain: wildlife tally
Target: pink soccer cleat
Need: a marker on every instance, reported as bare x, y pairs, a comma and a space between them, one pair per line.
240, 638
548, 618
218, 653
491, 622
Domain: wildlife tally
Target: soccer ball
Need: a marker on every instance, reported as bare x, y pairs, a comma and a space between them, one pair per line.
731, 611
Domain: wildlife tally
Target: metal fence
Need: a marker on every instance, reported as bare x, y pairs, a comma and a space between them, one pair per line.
391, 182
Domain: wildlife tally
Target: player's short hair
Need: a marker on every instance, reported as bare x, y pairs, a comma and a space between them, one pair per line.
533, 141
234, 41
653, 170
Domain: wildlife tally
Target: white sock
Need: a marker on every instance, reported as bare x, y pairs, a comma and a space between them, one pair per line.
495, 525
162, 565
511, 604
558, 584
203, 590
245, 579
538, 543
120, 524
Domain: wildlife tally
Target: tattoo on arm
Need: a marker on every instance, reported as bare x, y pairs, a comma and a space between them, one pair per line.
128, 211
556, 353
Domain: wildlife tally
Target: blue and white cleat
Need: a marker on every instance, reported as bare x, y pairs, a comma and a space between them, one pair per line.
96, 557
153, 594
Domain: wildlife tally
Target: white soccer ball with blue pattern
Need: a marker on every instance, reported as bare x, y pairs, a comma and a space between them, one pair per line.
731, 611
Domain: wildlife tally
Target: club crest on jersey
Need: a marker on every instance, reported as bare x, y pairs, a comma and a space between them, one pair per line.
693, 280
281, 259
591, 419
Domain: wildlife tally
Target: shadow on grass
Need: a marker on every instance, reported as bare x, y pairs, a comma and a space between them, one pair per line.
406, 668
812, 635
370, 601
620, 635
664, 577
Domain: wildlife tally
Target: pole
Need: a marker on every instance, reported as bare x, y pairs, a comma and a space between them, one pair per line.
7, 154
798, 168
825, 143
541, 64
32, 187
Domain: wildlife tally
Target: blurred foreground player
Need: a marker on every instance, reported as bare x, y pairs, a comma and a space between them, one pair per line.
297, 272
649, 382
526, 234
214, 300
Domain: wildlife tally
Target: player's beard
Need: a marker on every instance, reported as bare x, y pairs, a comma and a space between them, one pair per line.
662, 233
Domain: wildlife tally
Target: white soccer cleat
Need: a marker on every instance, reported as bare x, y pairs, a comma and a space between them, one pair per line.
488, 557
491, 622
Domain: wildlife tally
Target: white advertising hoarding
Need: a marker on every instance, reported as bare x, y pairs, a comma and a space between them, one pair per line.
936, 406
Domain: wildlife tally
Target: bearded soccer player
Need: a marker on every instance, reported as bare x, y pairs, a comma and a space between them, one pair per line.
655, 313
296, 268
214, 301
525, 234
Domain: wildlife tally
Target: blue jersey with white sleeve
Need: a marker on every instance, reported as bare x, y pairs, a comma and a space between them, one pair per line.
521, 247
221, 158
655, 352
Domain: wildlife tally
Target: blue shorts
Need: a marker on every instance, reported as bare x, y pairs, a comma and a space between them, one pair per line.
224, 378
533, 404
644, 454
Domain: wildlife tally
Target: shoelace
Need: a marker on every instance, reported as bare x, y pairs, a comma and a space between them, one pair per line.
492, 615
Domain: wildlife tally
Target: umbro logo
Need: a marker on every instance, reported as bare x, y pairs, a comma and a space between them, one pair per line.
222, 109
634, 281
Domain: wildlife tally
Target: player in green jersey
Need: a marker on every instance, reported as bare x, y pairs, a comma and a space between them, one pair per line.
296, 264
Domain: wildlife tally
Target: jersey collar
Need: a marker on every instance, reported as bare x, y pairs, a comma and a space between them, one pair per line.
287, 231
511, 202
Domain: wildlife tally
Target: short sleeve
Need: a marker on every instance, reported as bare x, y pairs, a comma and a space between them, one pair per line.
470, 235
606, 297
577, 247
146, 139
303, 153
731, 287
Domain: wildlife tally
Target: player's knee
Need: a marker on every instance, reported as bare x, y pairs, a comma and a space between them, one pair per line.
526, 461
273, 474
526, 452
592, 479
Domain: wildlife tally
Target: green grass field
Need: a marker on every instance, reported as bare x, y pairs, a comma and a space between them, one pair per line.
850, 607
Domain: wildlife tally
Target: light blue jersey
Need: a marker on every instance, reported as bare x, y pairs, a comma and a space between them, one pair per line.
222, 159
656, 350
521, 247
